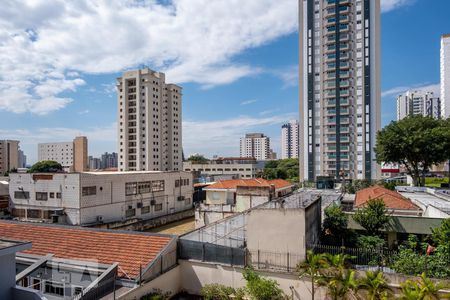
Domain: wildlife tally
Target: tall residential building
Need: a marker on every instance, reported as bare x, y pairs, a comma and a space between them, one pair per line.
109, 160
95, 163
22, 159
149, 122
80, 154
339, 88
255, 145
422, 103
289, 140
445, 76
9, 155
73, 156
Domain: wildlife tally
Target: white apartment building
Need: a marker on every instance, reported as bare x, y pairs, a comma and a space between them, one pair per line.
289, 140
445, 76
9, 155
339, 88
60, 152
255, 145
150, 136
422, 103
99, 197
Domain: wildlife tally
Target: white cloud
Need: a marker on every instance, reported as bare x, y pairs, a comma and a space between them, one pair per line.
288, 75
45, 47
222, 137
388, 5
248, 102
395, 91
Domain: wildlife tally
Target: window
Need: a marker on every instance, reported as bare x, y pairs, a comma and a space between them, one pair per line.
187, 201
54, 288
58, 195
130, 188
52, 195
158, 185
131, 212
89, 190
41, 196
180, 198
21, 195
144, 187
145, 209
158, 207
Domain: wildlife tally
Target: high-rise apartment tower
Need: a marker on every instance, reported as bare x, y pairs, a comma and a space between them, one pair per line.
255, 145
445, 76
149, 122
289, 140
9, 156
339, 88
423, 103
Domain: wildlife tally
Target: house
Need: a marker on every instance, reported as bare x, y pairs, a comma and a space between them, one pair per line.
93, 198
64, 262
406, 216
225, 198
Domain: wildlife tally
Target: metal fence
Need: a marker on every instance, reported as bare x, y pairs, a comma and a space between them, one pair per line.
214, 253
359, 256
273, 261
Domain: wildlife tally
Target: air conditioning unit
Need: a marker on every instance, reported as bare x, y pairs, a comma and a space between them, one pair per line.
99, 219
152, 202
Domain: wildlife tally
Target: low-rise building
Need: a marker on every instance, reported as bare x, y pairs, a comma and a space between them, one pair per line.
225, 198
232, 166
99, 197
62, 262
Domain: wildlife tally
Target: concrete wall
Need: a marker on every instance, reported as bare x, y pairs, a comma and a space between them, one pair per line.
218, 196
243, 170
7, 275
265, 225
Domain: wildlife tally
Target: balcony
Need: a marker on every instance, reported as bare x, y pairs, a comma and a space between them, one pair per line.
330, 103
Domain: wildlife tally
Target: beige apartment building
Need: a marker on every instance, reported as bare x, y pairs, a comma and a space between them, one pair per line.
339, 86
149, 122
73, 156
9, 155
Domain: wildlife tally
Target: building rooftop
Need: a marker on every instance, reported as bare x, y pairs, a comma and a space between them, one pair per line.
257, 182
392, 199
131, 250
8, 246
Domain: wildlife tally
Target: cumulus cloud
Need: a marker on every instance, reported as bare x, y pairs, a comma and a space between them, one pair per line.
46, 47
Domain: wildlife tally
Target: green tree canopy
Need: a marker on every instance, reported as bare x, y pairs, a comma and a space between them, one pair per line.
373, 217
46, 166
281, 169
415, 142
198, 159
335, 224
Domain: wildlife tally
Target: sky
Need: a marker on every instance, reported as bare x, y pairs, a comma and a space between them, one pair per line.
237, 61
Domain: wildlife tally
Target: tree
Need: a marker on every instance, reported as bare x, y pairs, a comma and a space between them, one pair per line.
198, 159
375, 286
415, 142
422, 289
372, 217
335, 224
260, 288
312, 266
46, 166
281, 169
441, 235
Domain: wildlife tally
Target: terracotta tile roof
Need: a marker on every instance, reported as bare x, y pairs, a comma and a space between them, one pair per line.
391, 199
130, 250
234, 183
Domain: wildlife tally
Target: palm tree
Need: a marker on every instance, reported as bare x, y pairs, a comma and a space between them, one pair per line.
375, 286
422, 289
312, 266
341, 284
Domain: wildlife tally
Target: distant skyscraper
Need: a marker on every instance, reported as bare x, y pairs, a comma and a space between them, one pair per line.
255, 145
445, 76
80, 154
339, 88
9, 156
94, 163
289, 140
22, 159
421, 103
109, 160
149, 122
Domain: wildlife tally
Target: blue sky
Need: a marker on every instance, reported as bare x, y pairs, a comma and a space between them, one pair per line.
237, 63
